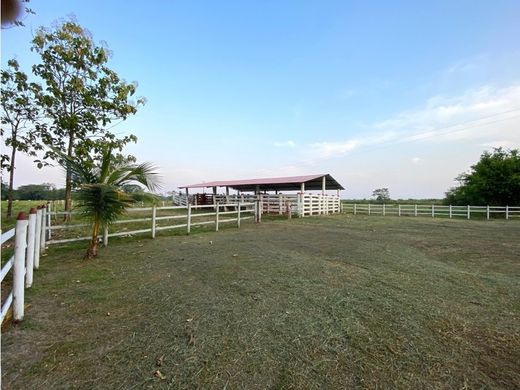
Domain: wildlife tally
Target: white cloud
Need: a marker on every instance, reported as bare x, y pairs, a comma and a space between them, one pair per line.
416, 160
485, 113
285, 144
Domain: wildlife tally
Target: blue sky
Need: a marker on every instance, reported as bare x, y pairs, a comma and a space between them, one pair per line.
404, 95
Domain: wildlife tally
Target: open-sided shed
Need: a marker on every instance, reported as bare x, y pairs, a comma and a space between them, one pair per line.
303, 202
320, 182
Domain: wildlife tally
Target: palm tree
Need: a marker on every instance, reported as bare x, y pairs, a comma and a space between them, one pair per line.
99, 189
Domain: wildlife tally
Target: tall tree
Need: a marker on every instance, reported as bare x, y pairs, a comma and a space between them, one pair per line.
82, 96
100, 192
493, 180
19, 112
381, 195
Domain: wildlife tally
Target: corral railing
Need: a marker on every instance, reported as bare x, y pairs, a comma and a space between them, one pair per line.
434, 211
29, 242
153, 219
317, 204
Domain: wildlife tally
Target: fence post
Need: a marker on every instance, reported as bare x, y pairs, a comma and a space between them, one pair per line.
507, 212
188, 223
369, 209
37, 238
415, 210
487, 212
399, 209
49, 214
217, 208
451, 213
384, 209
19, 266
44, 220
154, 215
238, 214
355, 210
469, 211
105, 236
31, 230
433, 211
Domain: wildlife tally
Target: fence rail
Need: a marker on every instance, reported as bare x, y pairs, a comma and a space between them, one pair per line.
151, 222
434, 211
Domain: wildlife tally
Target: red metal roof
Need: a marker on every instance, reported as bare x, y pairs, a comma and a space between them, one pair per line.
312, 182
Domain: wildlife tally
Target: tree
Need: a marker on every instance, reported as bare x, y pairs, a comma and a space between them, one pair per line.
19, 112
82, 96
99, 189
493, 180
381, 195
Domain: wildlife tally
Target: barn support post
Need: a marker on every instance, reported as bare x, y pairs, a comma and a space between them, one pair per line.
19, 266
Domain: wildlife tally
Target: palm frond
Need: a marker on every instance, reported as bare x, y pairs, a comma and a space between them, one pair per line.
102, 202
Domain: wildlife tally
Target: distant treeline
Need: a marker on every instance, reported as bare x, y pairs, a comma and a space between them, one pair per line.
45, 191
48, 191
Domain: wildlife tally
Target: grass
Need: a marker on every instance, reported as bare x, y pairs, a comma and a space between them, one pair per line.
327, 302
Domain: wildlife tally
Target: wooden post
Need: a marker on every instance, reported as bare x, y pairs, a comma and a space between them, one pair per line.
280, 204
44, 225
188, 222
105, 236
507, 212
289, 211
217, 208
399, 209
415, 210
37, 238
238, 215
433, 211
49, 214
369, 209
355, 209
487, 212
19, 266
384, 209
31, 232
469, 211
154, 216
451, 211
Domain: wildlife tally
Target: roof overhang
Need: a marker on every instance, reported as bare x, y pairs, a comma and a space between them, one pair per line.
292, 183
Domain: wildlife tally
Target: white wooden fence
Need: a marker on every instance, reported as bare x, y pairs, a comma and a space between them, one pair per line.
302, 204
29, 242
154, 219
468, 212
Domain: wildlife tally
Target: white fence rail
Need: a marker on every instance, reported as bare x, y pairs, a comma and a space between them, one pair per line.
154, 219
29, 241
434, 211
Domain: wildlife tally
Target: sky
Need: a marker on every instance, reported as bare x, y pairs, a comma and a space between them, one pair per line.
405, 94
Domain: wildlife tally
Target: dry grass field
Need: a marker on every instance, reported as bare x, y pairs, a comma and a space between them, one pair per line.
325, 302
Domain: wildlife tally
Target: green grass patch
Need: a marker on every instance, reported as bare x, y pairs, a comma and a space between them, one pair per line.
326, 302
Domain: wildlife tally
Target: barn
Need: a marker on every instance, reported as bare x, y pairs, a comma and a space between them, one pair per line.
303, 195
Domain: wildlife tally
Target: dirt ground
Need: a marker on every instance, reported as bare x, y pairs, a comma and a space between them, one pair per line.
325, 302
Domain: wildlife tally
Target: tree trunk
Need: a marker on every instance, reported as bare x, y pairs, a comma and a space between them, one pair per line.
92, 250
68, 179
11, 182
